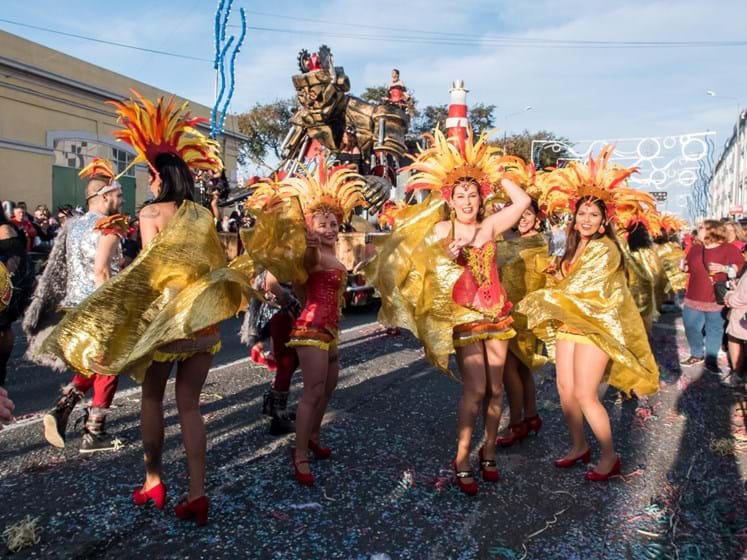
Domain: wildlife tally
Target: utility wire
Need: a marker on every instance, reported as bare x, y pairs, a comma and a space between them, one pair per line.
113, 43
496, 38
501, 43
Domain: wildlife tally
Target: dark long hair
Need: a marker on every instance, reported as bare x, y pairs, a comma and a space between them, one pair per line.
638, 237
574, 236
177, 183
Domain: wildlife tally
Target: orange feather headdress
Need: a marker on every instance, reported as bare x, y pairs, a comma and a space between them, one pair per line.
338, 190
440, 166
595, 180
153, 129
99, 168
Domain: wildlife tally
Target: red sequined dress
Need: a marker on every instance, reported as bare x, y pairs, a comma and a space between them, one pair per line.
479, 288
317, 324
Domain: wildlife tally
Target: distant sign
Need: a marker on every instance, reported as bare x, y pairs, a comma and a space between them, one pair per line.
659, 196
737, 209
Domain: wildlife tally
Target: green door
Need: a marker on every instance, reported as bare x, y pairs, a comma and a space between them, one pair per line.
68, 188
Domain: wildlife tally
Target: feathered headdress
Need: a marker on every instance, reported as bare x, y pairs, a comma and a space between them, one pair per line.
442, 165
595, 180
99, 168
338, 190
672, 224
163, 127
522, 173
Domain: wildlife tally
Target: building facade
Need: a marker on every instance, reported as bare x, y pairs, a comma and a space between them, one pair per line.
727, 185
53, 121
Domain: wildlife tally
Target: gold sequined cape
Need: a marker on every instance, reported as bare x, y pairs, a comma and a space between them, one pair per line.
415, 277
654, 265
177, 286
277, 243
641, 282
595, 300
522, 262
670, 254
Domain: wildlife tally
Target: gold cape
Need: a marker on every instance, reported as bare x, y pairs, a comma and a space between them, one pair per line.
670, 254
277, 243
594, 299
522, 262
415, 278
177, 286
654, 265
640, 282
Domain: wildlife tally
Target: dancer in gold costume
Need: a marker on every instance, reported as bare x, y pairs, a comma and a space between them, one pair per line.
589, 318
298, 221
166, 306
522, 261
438, 278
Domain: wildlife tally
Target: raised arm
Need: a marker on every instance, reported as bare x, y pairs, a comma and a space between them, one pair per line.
506, 218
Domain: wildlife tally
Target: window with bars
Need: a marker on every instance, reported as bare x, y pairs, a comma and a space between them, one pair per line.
79, 153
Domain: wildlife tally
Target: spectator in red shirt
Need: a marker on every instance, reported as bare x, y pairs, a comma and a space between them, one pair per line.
19, 219
714, 260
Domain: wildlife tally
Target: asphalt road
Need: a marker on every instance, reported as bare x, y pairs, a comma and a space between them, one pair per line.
388, 492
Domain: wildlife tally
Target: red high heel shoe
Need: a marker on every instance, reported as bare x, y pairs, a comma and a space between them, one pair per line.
196, 508
518, 431
599, 477
307, 479
469, 488
141, 497
319, 452
488, 476
585, 457
534, 424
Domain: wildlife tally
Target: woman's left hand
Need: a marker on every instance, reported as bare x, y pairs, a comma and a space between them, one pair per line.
716, 268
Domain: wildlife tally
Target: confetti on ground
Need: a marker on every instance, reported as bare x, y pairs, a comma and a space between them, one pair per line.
23, 534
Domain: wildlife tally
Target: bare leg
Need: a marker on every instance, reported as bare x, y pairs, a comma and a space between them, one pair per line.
333, 374
471, 360
314, 364
589, 365
495, 360
190, 377
574, 419
151, 420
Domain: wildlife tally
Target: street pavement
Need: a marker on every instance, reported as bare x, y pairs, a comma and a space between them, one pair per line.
387, 492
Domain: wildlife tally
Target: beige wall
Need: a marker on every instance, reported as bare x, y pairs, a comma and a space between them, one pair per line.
68, 100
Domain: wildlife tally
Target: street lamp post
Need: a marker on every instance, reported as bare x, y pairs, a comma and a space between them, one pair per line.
736, 197
505, 122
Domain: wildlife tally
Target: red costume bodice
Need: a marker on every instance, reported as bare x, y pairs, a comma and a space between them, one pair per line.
479, 287
322, 309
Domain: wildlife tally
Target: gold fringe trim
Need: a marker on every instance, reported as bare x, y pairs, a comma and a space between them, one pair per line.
181, 356
311, 343
487, 335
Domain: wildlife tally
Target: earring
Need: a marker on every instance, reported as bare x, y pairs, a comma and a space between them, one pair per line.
601, 229
481, 211
452, 214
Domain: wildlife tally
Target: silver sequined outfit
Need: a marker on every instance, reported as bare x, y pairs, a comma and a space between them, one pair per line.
80, 253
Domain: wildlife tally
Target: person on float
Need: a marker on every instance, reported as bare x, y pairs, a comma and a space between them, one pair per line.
164, 309
295, 238
438, 278
85, 255
522, 261
589, 318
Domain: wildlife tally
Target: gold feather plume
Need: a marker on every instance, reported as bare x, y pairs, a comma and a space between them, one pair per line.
338, 190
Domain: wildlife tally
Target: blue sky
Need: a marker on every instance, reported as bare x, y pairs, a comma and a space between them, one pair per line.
581, 93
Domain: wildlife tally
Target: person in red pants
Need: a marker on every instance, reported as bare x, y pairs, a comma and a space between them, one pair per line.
86, 254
